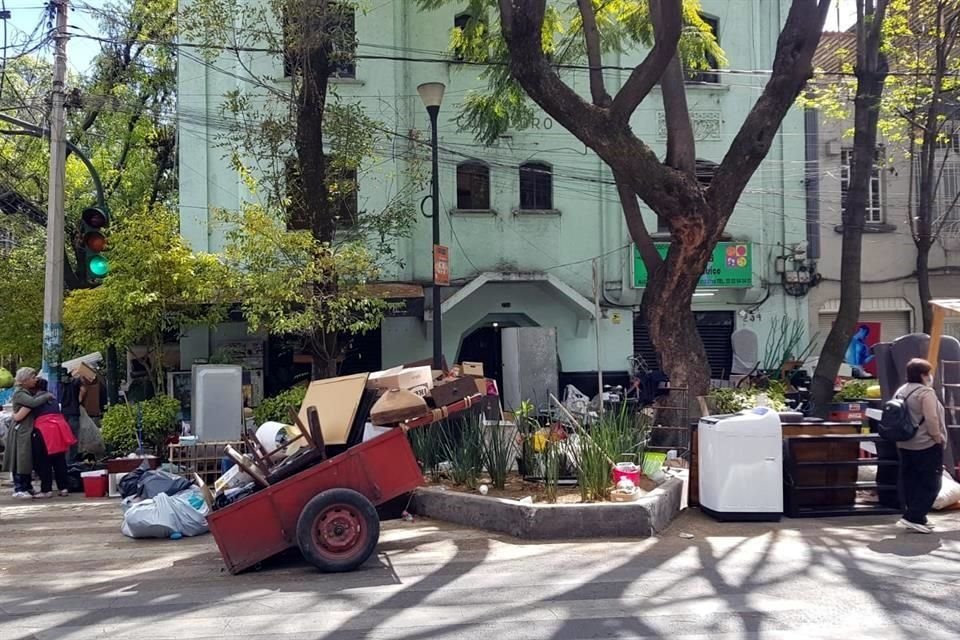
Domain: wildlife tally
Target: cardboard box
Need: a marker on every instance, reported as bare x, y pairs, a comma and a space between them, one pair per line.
419, 380
447, 393
472, 369
234, 477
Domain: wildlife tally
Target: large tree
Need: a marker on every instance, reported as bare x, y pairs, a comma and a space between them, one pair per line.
871, 72
695, 213
303, 248
118, 114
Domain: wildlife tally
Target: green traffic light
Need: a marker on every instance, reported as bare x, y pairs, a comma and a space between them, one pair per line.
98, 266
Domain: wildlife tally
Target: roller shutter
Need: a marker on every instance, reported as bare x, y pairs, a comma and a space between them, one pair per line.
893, 324
715, 328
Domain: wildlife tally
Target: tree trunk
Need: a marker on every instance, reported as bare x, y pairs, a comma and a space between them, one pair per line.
923, 285
312, 46
871, 74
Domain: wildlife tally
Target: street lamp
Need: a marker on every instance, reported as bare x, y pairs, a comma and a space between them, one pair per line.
432, 95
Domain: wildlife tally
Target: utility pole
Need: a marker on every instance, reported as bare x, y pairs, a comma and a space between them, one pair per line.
53, 275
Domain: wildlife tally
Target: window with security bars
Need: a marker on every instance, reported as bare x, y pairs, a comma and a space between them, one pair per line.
473, 186
536, 187
874, 213
946, 177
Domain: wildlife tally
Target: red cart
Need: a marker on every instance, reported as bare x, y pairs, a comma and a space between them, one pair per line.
328, 510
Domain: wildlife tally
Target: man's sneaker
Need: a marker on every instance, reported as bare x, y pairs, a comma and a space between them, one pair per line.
913, 526
23, 495
64, 493
46, 494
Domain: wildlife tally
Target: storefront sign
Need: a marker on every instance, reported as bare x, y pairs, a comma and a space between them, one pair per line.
731, 266
441, 265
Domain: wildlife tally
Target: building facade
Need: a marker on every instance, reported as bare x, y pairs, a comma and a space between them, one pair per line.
891, 300
535, 231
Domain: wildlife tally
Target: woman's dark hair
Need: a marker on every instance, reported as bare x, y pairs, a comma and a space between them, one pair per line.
916, 369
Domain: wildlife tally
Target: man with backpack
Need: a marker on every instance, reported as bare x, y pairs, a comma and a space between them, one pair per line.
914, 419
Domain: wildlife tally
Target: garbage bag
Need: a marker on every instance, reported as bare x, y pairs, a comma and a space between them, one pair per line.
153, 483
89, 439
129, 485
163, 515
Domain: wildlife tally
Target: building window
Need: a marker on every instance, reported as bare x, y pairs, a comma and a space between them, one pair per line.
536, 187
711, 77
460, 26
342, 192
342, 36
473, 186
875, 193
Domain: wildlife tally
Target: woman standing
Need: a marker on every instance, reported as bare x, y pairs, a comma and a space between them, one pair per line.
921, 457
18, 456
52, 438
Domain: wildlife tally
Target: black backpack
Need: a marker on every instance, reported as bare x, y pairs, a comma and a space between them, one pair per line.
896, 425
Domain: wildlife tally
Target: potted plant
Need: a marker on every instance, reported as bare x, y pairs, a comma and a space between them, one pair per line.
850, 402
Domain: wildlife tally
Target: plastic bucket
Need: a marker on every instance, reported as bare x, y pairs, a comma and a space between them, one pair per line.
628, 470
95, 483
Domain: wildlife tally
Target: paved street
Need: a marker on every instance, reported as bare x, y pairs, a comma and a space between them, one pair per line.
66, 573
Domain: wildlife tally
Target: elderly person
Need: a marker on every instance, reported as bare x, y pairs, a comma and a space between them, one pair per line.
18, 456
52, 439
921, 457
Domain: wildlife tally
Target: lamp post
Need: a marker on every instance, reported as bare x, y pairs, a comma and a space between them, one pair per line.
432, 95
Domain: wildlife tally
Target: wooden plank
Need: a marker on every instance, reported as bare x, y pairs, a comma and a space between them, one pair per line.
936, 333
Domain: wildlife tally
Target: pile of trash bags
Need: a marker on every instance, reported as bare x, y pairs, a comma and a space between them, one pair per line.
157, 504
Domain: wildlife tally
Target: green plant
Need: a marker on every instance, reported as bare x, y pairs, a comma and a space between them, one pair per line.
852, 390
738, 399
552, 454
159, 421
462, 446
427, 446
497, 450
275, 409
614, 434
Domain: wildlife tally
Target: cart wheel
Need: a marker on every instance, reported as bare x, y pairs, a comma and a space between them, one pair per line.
338, 530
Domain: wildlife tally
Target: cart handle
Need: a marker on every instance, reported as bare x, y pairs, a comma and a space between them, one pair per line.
441, 413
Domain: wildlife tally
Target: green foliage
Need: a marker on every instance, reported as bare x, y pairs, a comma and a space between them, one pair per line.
159, 420
427, 444
498, 453
613, 435
276, 408
156, 284
738, 399
21, 289
851, 391
623, 25
462, 446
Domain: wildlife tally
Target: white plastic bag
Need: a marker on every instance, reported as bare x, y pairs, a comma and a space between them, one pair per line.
163, 515
949, 493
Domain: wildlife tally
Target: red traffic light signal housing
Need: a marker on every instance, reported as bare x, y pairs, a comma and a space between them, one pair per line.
93, 224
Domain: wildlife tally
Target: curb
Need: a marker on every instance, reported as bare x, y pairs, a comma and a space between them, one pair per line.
641, 519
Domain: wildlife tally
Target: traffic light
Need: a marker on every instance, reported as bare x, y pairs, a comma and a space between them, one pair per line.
93, 224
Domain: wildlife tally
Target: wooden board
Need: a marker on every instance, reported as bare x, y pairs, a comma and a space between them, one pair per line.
336, 400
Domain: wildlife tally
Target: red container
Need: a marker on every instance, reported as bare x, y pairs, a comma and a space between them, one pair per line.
95, 483
627, 470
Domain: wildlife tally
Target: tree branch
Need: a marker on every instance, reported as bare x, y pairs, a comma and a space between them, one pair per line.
638, 230
792, 67
591, 37
645, 76
681, 145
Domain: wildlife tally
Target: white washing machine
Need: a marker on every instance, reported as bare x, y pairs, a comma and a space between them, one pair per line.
741, 466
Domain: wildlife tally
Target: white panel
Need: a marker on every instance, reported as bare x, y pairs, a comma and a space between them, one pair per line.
217, 402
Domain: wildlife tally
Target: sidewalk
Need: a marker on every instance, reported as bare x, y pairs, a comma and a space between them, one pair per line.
66, 573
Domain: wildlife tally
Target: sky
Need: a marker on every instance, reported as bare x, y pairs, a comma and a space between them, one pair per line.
26, 14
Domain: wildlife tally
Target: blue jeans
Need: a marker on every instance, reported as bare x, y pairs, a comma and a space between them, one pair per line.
23, 483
